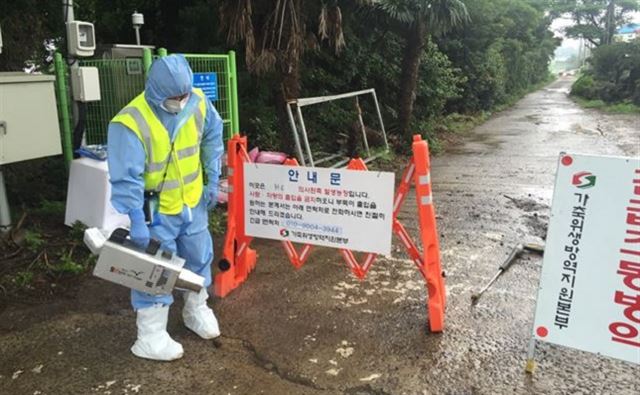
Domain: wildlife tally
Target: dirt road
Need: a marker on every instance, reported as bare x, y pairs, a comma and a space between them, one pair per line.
319, 330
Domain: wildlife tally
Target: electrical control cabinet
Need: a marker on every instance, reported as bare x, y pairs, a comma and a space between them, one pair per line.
81, 38
28, 117
86, 84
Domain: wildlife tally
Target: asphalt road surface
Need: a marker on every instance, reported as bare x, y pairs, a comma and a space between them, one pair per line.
319, 330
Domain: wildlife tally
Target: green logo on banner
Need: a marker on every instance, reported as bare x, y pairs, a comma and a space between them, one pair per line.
584, 180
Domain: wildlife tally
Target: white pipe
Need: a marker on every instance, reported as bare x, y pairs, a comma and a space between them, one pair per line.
384, 132
5, 214
363, 129
304, 136
67, 9
296, 137
137, 29
321, 99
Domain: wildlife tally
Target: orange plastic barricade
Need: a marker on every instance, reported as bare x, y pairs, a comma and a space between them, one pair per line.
239, 259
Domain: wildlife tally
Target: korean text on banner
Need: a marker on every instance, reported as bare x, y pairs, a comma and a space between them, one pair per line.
589, 295
336, 208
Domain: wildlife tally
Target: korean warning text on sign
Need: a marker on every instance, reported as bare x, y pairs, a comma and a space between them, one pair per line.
331, 207
627, 295
589, 293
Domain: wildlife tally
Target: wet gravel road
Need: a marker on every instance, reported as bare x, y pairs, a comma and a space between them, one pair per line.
319, 330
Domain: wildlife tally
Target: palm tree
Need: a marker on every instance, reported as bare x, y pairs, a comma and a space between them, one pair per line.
275, 34
416, 20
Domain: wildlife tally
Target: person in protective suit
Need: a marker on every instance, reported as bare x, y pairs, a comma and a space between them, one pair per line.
160, 147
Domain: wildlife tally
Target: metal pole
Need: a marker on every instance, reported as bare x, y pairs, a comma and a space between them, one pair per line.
235, 118
384, 132
67, 12
231, 127
531, 356
364, 131
304, 136
67, 9
147, 59
5, 214
296, 138
61, 85
137, 29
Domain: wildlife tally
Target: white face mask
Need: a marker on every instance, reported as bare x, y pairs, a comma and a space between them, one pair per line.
175, 106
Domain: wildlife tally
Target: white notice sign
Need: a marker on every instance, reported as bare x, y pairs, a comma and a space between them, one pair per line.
328, 207
589, 295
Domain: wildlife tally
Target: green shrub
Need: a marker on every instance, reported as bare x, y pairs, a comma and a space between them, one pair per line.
23, 279
33, 240
584, 87
599, 104
68, 265
614, 76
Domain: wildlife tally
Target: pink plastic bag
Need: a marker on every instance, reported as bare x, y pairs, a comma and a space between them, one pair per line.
275, 158
253, 154
270, 157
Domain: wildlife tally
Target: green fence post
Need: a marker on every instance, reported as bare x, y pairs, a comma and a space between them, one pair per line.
235, 118
61, 85
229, 95
146, 60
162, 52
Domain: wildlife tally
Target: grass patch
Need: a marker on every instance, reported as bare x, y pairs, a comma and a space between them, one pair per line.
623, 108
218, 220
33, 240
615, 108
449, 129
52, 208
68, 265
23, 279
42, 257
463, 123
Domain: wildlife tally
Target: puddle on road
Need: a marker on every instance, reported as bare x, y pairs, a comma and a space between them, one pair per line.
477, 143
527, 203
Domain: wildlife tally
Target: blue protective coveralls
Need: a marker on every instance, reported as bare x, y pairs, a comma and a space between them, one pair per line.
186, 234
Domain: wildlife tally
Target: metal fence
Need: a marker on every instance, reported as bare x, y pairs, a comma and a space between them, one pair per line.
227, 103
120, 81
123, 79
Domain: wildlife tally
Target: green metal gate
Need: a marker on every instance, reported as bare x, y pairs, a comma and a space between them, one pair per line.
123, 79
120, 81
227, 104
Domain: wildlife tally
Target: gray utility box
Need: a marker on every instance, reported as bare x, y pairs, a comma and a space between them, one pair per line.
28, 117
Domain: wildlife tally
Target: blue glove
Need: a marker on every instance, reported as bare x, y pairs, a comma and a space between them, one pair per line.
139, 232
212, 195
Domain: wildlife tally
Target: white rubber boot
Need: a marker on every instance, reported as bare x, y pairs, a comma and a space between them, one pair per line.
198, 316
153, 340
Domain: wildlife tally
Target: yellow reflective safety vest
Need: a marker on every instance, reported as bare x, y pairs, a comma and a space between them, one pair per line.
175, 173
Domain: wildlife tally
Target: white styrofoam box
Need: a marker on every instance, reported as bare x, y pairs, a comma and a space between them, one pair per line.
89, 196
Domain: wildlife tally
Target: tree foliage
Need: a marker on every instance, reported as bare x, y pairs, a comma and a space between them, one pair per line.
468, 61
416, 20
614, 75
502, 53
595, 20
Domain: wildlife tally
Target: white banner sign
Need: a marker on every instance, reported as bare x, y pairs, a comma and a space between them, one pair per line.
589, 295
329, 207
